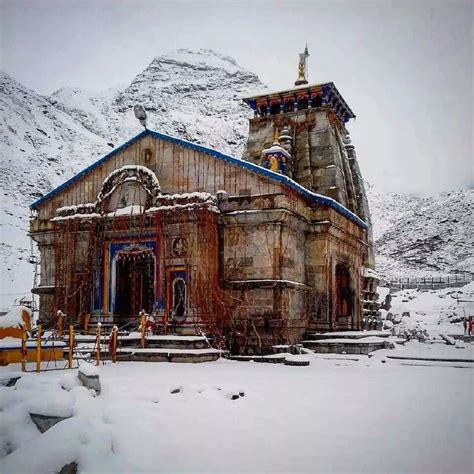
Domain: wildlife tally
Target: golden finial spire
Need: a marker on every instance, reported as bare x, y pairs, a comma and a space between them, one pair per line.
302, 79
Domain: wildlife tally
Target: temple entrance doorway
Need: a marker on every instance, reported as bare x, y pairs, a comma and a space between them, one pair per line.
134, 282
344, 299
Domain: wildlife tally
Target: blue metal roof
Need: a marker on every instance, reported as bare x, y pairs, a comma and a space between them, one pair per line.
309, 195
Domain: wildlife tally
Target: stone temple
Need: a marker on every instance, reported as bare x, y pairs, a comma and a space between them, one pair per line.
254, 251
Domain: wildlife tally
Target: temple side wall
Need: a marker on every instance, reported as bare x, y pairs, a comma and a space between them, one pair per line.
279, 273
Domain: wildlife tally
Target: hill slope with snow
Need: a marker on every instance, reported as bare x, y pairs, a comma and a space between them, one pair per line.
423, 235
195, 95
40, 147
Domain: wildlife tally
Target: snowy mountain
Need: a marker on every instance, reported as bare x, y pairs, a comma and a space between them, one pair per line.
195, 95
40, 147
423, 235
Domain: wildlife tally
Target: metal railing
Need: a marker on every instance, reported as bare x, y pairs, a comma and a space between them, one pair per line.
431, 283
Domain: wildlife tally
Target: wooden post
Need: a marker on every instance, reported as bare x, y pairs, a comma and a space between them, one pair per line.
38, 350
97, 352
60, 323
71, 346
143, 329
23, 350
114, 344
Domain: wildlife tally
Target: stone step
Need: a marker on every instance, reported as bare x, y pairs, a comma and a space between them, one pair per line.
168, 355
87, 338
346, 335
346, 346
171, 341
282, 348
466, 360
268, 359
159, 348
279, 358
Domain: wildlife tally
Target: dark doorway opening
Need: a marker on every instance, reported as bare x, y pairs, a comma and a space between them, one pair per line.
134, 285
344, 302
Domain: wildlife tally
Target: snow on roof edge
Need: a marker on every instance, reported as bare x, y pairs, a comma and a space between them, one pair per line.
311, 196
85, 171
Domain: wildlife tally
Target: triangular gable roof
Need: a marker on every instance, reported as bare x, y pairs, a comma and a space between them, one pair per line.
305, 193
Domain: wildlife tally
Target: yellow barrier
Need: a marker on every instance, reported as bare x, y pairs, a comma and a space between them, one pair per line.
38, 349
97, 342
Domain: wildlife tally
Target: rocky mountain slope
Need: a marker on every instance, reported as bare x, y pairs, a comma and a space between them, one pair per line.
40, 146
195, 96
423, 235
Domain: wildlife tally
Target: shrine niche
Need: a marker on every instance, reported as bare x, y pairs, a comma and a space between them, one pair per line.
127, 194
178, 247
178, 296
147, 155
129, 186
276, 158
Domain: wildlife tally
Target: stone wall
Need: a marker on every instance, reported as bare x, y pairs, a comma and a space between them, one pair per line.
324, 159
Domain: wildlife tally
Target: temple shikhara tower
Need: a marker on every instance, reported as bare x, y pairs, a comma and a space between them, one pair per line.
255, 251
303, 129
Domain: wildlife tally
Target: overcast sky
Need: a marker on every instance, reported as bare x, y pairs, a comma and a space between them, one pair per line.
405, 68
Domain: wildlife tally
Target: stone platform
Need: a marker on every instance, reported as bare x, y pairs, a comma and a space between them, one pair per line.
168, 355
347, 335
348, 342
277, 358
171, 341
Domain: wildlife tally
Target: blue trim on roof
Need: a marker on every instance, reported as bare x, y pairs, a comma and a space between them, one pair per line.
85, 171
309, 195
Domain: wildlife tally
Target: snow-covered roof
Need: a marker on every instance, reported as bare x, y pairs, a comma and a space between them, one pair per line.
285, 180
287, 91
370, 273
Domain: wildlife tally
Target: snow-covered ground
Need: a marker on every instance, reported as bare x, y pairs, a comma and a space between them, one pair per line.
434, 311
343, 413
333, 416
